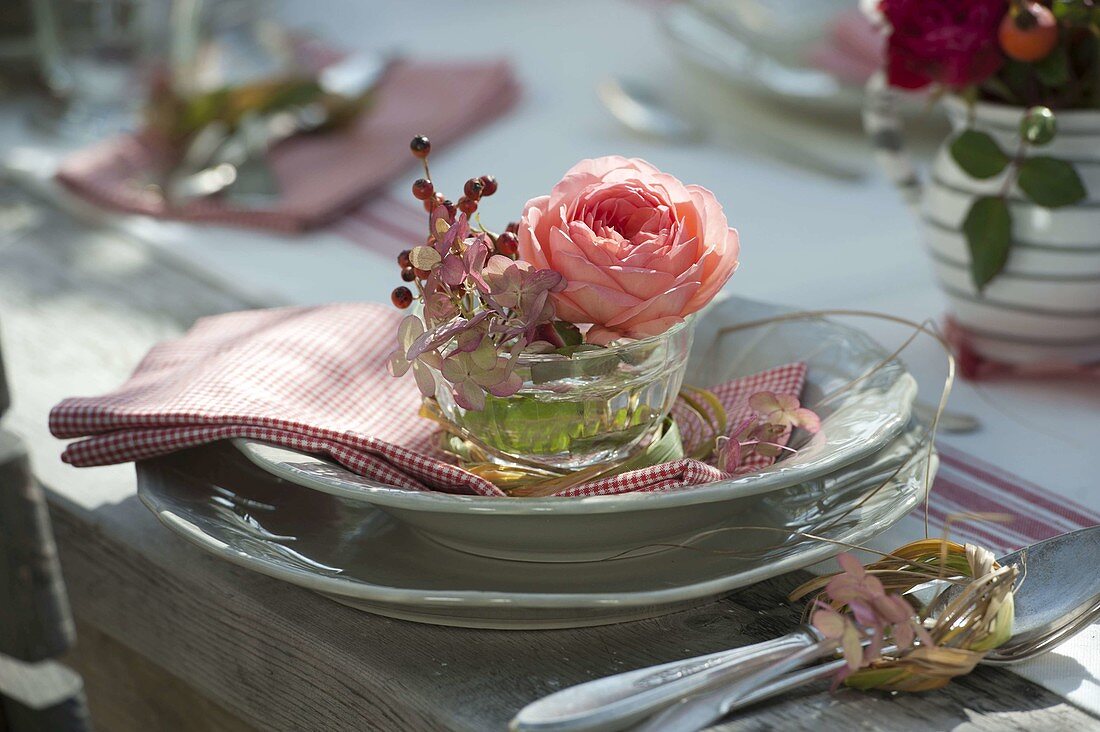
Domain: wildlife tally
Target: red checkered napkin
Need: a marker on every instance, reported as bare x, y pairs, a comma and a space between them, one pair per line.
320, 176
314, 379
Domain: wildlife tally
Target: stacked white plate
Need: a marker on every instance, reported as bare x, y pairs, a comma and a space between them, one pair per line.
760, 47
560, 562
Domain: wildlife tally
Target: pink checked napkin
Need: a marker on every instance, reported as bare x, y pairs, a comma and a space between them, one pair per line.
321, 176
314, 379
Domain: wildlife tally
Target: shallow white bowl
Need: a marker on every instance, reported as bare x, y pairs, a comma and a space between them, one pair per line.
854, 427
360, 556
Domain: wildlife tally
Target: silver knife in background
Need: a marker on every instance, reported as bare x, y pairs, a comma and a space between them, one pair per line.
235, 163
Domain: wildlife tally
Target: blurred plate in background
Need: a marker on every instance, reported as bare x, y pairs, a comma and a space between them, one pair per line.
818, 54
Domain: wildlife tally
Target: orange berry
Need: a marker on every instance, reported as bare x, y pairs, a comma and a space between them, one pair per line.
1028, 32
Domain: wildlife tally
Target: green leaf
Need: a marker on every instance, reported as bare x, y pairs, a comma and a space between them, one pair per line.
1053, 69
978, 154
874, 678
1071, 11
1019, 77
1050, 182
988, 229
569, 333
1001, 90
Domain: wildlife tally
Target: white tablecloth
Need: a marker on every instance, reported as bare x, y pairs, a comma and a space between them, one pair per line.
807, 240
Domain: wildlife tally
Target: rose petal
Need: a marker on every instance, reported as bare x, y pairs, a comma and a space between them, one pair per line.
659, 250
653, 327
670, 302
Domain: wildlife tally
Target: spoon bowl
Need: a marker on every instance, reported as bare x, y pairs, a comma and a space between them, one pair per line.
1054, 600
1053, 591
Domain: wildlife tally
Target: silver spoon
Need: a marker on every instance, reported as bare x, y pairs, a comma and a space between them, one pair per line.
950, 421
701, 711
1053, 597
1055, 601
640, 110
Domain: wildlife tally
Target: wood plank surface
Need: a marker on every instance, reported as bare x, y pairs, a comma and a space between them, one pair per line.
128, 693
35, 623
81, 308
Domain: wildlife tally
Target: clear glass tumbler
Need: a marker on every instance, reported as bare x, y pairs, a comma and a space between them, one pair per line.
591, 408
91, 54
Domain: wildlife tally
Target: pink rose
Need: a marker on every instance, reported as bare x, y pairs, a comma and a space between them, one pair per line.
639, 250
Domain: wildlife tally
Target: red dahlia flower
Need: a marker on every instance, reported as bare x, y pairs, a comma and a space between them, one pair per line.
952, 42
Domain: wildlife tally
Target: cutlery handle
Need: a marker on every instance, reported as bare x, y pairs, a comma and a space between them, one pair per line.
702, 710
617, 701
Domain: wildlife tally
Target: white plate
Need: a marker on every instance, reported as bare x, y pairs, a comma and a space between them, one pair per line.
361, 557
580, 529
705, 43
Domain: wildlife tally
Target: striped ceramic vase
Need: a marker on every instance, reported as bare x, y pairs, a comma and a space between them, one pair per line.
1044, 308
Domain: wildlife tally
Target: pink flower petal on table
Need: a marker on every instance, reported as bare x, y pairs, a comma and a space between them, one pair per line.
729, 454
